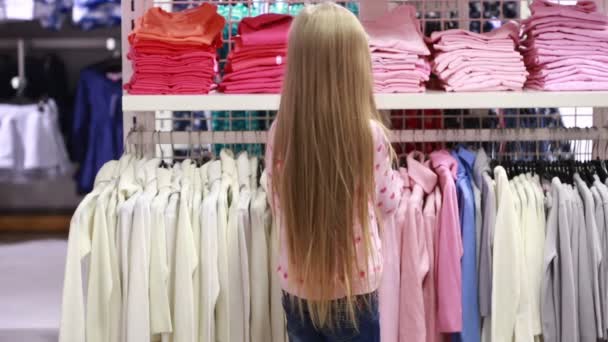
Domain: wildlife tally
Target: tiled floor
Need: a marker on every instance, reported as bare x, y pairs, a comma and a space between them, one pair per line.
31, 283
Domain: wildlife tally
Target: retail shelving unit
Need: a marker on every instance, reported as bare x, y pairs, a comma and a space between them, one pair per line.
154, 122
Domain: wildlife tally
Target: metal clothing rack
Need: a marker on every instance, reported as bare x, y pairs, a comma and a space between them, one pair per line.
23, 44
584, 113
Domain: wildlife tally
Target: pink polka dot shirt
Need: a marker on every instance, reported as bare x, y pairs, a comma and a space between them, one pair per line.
388, 194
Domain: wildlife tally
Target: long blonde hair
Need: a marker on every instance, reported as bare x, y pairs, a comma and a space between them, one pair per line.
324, 142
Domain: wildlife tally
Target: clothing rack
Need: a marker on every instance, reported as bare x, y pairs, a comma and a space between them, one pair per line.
22, 44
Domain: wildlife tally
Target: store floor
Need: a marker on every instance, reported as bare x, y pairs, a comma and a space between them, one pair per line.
31, 283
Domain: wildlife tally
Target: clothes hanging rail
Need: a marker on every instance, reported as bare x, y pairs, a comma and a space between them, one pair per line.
397, 136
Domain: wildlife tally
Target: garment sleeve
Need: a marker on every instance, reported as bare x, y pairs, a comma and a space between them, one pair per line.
268, 161
449, 270
82, 118
388, 184
507, 262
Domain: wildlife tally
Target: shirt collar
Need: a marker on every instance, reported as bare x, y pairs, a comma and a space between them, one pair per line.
444, 159
482, 165
420, 173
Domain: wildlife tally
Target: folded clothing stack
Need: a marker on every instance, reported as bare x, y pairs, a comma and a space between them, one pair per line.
468, 61
257, 62
566, 47
398, 52
175, 53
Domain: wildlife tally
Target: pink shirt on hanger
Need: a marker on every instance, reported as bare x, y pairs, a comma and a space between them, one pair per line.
449, 247
390, 286
388, 186
415, 258
431, 210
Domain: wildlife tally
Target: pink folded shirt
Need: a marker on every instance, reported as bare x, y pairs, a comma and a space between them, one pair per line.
416, 75
586, 10
473, 45
569, 86
397, 88
509, 30
487, 85
398, 29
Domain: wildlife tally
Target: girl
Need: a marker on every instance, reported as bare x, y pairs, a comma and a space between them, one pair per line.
329, 167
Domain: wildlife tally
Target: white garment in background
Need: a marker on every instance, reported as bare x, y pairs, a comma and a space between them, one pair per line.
139, 258
227, 197
186, 262
197, 200
240, 255
32, 145
507, 258
129, 189
73, 323
260, 272
103, 270
171, 214
535, 242
160, 311
209, 273
19, 9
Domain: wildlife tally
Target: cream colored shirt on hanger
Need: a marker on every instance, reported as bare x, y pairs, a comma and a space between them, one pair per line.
209, 273
186, 262
72, 327
160, 311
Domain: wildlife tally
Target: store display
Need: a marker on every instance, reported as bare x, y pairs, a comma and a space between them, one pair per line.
399, 63
566, 47
212, 237
257, 61
175, 53
97, 124
31, 144
468, 61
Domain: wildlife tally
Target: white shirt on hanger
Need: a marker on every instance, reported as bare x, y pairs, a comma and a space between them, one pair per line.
72, 328
260, 271
130, 190
139, 258
186, 262
227, 200
160, 311
239, 264
171, 214
209, 273
507, 257
197, 198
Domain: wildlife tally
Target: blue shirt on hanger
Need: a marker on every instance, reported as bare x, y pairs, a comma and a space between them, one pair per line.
466, 206
97, 133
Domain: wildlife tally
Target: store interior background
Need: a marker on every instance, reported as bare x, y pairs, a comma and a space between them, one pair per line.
35, 215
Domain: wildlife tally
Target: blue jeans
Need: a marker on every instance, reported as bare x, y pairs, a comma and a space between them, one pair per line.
301, 329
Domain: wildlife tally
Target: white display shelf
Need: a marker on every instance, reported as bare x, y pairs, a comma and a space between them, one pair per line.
428, 100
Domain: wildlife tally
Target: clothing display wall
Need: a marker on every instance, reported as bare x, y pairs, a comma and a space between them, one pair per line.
462, 60
466, 257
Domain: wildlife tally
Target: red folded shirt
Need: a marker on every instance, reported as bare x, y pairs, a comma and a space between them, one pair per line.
265, 29
254, 73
